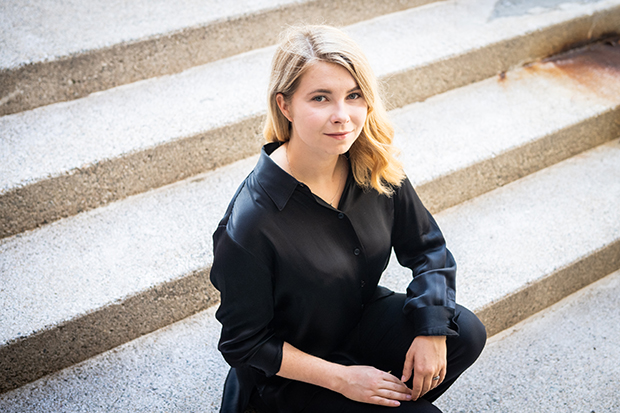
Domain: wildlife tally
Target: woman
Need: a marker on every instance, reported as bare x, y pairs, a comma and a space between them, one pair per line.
302, 246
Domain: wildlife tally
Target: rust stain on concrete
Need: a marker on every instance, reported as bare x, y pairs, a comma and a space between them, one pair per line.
594, 68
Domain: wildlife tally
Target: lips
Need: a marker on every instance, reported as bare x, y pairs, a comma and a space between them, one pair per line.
339, 135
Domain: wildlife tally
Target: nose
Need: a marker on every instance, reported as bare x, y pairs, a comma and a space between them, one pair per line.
340, 114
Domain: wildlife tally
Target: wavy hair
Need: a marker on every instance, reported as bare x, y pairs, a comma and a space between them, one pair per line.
372, 155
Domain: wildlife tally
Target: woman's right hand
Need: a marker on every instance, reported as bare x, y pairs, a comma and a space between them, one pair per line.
370, 385
360, 383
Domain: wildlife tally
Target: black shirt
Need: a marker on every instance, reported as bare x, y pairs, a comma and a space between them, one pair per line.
292, 268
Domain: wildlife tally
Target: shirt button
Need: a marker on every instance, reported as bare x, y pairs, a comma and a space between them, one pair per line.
356, 251
341, 215
363, 283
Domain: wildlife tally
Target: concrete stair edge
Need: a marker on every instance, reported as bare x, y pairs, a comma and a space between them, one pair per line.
136, 314
542, 363
82, 189
76, 75
133, 376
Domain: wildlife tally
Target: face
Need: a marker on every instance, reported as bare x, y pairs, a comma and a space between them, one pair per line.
327, 111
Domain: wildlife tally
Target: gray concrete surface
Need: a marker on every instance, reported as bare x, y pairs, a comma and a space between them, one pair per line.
525, 242
503, 128
505, 8
55, 276
35, 31
62, 50
175, 369
136, 137
94, 281
562, 360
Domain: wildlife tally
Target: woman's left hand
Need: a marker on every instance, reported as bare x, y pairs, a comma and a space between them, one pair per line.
426, 359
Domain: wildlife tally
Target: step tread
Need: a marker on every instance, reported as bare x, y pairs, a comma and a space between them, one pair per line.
175, 369
71, 267
521, 233
129, 118
178, 368
543, 363
167, 233
41, 31
457, 129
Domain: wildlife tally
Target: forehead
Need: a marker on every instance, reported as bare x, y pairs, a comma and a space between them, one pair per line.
326, 76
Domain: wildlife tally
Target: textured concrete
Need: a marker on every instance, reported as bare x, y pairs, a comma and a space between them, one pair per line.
175, 369
69, 157
508, 239
468, 141
62, 50
564, 359
91, 282
536, 240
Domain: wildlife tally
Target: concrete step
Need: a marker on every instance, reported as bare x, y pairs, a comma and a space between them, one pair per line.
108, 240
178, 367
70, 157
564, 359
526, 245
59, 50
88, 283
463, 143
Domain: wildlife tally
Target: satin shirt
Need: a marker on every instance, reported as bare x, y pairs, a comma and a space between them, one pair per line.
292, 268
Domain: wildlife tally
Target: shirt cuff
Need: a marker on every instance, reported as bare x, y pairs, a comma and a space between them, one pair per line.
269, 357
434, 321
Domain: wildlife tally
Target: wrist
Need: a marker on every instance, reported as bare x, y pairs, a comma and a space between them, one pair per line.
338, 380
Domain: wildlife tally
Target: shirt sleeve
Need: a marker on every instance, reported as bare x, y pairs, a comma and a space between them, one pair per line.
420, 246
246, 308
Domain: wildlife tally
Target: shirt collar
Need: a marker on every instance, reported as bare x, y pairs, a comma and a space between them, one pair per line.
277, 183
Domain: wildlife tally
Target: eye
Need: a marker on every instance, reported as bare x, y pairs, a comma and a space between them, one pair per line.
319, 98
355, 95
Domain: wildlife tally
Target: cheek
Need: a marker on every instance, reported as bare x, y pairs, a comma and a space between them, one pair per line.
360, 116
315, 117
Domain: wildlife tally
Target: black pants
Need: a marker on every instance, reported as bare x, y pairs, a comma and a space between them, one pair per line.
382, 340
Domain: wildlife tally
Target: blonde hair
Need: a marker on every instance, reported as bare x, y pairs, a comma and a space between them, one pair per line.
372, 155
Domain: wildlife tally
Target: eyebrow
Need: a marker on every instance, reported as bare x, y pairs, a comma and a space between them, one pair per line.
326, 91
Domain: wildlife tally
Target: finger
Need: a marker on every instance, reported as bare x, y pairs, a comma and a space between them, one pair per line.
436, 380
425, 386
393, 379
389, 398
394, 395
442, 376
381, 401
407, 368
417, 387
397, 386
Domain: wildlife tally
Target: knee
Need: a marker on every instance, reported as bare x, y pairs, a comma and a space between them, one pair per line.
472, 334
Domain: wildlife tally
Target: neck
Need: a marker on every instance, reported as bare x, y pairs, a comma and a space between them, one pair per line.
312, 168
324, 175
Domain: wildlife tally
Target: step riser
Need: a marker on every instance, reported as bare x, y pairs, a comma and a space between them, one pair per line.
439, 77
485, 176
40, 84
88, 188
63, 345
533, 298
31, 358
24, 360
46, 201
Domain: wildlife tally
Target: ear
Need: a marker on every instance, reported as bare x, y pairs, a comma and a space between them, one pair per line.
283, 105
